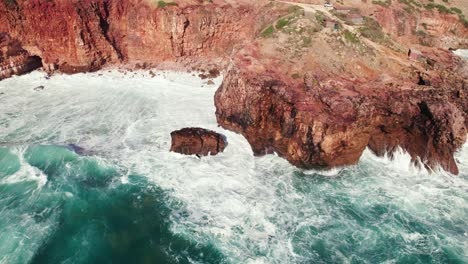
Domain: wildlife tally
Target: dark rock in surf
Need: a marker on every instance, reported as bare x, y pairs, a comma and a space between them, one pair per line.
197, 141
39, 88
79, 150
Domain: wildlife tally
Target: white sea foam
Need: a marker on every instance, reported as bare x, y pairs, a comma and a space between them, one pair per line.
26, 171
462, 53
255, 210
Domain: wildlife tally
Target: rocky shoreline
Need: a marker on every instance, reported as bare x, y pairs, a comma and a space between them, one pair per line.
306, 108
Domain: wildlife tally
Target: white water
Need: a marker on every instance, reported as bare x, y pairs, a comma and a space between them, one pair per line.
255, 210
462, 53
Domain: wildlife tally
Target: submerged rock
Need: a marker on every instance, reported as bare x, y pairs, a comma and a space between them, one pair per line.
197, 141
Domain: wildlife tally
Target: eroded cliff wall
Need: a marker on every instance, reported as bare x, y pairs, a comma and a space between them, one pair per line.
83, 35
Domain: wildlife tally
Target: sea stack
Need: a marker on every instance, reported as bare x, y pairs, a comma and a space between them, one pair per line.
197, 141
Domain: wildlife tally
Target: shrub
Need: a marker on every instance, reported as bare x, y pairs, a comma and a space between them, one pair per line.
421, 33
282, 23
456, 10
372, 30
441, 8
319, 17
350, 37
268, 32
387, 3
463, 20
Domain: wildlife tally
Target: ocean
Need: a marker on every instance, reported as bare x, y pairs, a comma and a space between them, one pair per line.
86, 176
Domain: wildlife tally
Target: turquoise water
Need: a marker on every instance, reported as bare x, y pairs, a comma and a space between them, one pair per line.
123, 198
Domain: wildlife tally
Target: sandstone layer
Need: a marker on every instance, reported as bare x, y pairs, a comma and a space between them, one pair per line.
14, 59
197, 141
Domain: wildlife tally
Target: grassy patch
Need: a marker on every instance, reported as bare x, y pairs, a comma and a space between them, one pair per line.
282, 23
463, 20
319, 16
385, 3
268, 32
441, 8
420, 33
296, 10
456, 10
163, 4
372, 30
445, 10
411, 4
350, 36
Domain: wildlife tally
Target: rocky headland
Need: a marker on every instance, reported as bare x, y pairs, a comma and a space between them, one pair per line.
315, 85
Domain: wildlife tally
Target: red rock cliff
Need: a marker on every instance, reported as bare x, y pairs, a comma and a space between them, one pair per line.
84, 35
317, 123
14, 59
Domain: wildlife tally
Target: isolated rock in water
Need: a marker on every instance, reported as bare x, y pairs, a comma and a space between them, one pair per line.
197, 141
39, 88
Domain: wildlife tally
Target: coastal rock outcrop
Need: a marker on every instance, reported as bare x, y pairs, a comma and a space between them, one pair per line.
317, 123
197, 141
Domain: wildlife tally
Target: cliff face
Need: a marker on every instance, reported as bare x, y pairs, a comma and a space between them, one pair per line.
430, 28
14, 59
84, 35
322, 123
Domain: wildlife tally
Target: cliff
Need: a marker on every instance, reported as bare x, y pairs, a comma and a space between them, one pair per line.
74, 36
14, 59
323, 123
317, 95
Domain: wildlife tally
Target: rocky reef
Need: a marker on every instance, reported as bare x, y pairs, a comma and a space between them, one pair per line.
317, 96
197, 141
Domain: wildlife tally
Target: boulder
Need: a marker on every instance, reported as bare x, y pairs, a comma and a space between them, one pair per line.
197, 141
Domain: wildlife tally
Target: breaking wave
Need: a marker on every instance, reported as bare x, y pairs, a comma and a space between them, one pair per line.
123, 197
